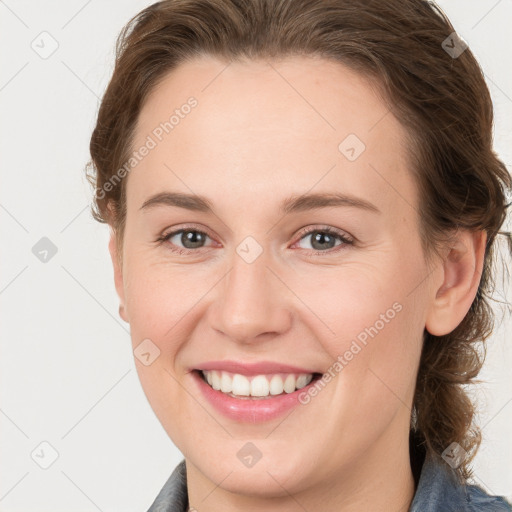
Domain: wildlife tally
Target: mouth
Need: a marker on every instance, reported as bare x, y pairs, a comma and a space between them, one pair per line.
256, 387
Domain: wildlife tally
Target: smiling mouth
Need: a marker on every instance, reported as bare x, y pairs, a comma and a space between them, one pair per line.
256, 387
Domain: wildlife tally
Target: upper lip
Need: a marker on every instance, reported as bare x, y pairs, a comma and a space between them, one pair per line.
250, 369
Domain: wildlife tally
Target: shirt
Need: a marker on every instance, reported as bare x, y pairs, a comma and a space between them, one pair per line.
438, 490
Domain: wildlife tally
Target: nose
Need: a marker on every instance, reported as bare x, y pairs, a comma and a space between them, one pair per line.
252, 304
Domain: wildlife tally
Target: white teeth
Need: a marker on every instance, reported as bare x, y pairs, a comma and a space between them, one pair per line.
235, 384
289, 384
302, 380
215, 380
276, 385
241, 384
226, 384
260, 386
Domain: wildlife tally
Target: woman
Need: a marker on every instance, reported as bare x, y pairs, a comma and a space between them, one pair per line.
237, 138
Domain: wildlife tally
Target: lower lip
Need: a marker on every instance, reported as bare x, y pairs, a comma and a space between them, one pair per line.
250, 410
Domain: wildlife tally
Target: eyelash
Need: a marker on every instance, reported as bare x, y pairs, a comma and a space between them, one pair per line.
303, 233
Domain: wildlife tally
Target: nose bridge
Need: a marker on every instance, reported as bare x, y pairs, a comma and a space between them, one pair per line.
250, 301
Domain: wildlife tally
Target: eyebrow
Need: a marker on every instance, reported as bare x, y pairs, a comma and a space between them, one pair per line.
294, 203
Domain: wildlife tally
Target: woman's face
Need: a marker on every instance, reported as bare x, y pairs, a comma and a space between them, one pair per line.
260, 281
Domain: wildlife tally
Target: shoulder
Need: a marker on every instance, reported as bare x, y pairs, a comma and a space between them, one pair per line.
440, 490
173, 496
478, 499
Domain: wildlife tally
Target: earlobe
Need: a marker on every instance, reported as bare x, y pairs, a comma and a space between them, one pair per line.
462, 270
122, 313
118, 274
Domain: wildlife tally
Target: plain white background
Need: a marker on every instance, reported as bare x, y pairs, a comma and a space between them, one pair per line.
68, 379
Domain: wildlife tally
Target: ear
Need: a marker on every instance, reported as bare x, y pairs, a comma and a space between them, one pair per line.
462, 270
118, 273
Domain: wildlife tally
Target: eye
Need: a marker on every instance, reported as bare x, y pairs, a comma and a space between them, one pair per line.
190, 238
323, 239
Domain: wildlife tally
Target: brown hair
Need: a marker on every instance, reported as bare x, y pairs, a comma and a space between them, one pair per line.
442, 101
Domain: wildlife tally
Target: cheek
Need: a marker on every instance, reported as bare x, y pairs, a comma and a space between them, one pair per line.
375, 366
158, 299
375, 328
379, 339
349, 300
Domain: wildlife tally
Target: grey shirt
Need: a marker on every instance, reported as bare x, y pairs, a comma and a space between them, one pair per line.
438, 490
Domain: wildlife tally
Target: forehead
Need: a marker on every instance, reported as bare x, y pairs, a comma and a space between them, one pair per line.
258, 127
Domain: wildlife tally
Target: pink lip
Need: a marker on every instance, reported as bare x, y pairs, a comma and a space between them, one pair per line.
250, 369
250, 410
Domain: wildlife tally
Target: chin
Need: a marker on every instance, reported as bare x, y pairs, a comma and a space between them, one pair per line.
274, 475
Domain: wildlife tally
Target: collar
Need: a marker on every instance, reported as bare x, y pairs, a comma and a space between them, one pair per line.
440, 489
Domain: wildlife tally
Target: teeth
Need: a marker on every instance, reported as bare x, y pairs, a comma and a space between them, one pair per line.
302, 380
276, 385
240, 384
235, 384
259, 386
289, 384
226, 384
215, 381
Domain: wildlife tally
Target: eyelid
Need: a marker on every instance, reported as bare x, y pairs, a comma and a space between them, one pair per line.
326, 229
167, 234
185, 227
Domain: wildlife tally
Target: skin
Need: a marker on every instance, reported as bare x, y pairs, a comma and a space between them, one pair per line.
261, 132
